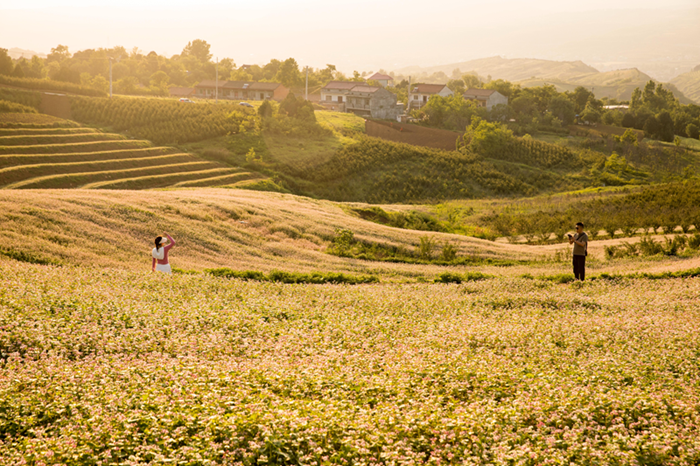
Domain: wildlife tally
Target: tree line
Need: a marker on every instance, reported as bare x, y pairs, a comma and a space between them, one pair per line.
163, 121
136, 72
654, 110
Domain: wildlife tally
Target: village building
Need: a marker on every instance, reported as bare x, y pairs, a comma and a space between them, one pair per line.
487, 98
361, 99
241, 90
384, 80
421, 93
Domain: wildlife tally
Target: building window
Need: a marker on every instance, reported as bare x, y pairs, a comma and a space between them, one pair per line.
340, 98
415, 97
329, 98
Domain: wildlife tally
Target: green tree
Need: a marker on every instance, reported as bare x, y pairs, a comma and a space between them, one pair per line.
59, 54
18, 71
159, 79
580, 97
487, 138
505, 88
665, 131
456, 86
590, 113
199, 49
6, 66
265, 110
472, 81
288, 73
562, 108
692, 131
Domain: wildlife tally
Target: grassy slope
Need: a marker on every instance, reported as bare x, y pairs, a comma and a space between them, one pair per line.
244, 230
236, 228
689, 84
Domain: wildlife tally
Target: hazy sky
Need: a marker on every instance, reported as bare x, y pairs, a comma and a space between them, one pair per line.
366, 35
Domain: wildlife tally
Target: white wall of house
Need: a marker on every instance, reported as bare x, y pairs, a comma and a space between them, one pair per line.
333, 95
496, 99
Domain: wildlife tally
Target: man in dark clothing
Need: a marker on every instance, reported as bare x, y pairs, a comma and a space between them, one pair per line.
580, 242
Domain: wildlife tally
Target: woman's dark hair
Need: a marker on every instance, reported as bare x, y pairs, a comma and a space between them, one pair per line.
159, 239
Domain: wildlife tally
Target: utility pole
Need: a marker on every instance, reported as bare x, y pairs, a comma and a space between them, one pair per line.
307, 83
110, 77
408, 97
217, 80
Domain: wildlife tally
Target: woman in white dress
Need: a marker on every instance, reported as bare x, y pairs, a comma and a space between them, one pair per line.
160, 254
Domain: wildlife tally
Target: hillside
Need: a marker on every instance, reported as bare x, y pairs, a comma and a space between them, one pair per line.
564, 75
214, 228
40, 155
510, 69
689, 84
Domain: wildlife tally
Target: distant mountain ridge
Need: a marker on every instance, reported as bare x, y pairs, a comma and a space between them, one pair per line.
689, 84
564, 75
510, 69
17, 53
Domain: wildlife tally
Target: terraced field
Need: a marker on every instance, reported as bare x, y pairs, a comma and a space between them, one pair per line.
46, 156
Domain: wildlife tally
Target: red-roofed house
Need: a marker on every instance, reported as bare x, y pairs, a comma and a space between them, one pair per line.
420, 93
241, 90
382, 79
488, 98
361, 99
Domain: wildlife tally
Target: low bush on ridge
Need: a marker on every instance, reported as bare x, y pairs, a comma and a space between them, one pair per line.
292, 277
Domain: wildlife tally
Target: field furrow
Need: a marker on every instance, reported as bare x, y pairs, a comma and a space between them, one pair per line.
16, 174
218, 180
78, 180
45, 131
9, 160
41, 139
158, 181
75, 147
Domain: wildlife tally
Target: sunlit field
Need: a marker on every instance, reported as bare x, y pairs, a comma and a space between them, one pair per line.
105, 366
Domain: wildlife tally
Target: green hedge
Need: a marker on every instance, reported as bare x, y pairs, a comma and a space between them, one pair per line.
50, 85
292, 277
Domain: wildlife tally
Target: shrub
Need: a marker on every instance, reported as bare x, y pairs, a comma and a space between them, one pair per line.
449, 252
292, 277
426, 247
12, 107
449, 277
649, 247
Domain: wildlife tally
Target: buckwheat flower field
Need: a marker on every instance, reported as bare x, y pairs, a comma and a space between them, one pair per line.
121, 367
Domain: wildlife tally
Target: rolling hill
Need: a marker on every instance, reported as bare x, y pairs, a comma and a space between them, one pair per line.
565, 75
689, 84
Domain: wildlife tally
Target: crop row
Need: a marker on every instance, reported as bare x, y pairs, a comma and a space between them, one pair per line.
85, 179
113, 144
69, 138
44, 131
164, 121
661, 208
9, 160
24, 173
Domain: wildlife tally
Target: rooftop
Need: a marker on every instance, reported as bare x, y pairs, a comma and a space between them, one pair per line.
478, 92
427, 88
380, 77
342, 85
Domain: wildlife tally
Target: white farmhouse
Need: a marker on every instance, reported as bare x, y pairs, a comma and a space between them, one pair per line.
421, 93
487, 98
